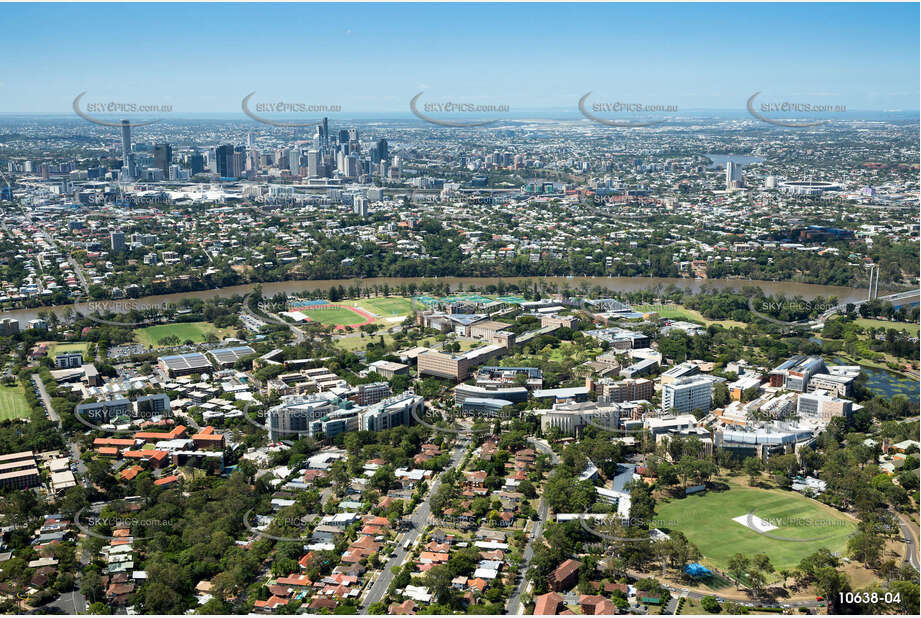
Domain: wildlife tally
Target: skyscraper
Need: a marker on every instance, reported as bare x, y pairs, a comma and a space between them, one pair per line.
163, 156
239, 161
127, 157
196, 162
382, 151
224, 160
350, 166
313, 164
733, 175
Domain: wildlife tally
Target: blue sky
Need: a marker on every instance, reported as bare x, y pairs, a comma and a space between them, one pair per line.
375, 57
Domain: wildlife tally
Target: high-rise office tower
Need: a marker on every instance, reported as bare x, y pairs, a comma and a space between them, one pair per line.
343, 136
350, 166
223, 156
294, 160
163, 156
382, 151
325, 141
313, 163
127, 157
239, 161
249, 140
196, 162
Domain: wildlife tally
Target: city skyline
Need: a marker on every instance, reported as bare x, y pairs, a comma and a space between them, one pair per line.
460, 309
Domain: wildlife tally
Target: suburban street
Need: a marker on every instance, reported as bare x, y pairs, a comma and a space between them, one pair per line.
419, 518
78, 270
514, 603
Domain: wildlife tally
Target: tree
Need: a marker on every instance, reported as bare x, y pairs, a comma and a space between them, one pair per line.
441, 498
710, 604
830, 582
738, 567
753, 468
759, 567
526, 487
720, 395
438, 581
866, 547
340, 477
91, 587
642, 505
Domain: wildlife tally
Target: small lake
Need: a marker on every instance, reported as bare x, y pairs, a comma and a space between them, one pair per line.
719, 160
886, 383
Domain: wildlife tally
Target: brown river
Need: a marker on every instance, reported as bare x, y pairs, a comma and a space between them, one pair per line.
615, 284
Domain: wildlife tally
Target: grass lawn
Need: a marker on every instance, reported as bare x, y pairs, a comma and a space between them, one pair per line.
57, 347
910, 327
337, 316
571, 350
468, 344
13, 403
388, 306
677, 312
707, 520
693, 606
194, 331
350, 343
565, 352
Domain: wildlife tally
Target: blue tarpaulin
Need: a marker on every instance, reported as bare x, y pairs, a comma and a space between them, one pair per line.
696, 569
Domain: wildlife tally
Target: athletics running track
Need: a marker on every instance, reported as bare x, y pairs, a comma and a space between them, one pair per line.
369, 319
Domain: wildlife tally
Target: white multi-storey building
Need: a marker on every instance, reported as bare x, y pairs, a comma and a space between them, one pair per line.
687, 394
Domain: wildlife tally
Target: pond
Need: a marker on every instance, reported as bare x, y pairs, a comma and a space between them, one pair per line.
886, 383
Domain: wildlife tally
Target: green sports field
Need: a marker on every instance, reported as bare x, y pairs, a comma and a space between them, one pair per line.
13, 403
678, 312
336, 316
387, 307
194, 331
707, 521
911, 328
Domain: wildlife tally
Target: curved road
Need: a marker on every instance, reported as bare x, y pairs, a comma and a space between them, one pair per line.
299, 336
910, 534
